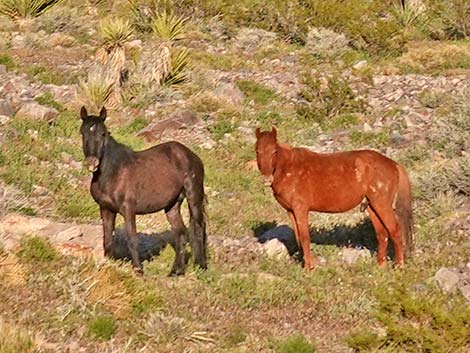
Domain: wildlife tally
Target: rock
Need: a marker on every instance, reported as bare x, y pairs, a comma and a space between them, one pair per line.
229, 92
3, 69
3, 120
360, 65
323, 41
208, 145
182, 119
284, 234
352, 255
6, 108
447, 279
37, 111
249, 38
60, 39
275, 248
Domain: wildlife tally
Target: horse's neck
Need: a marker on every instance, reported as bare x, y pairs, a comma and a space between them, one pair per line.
288, 156
115, 156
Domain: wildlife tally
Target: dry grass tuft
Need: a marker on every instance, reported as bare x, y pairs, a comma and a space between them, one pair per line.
13, 339
11, 271
106, 288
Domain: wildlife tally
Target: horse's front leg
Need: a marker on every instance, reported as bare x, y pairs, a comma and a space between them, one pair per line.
129, 218
301, 217
296, 231
108, 218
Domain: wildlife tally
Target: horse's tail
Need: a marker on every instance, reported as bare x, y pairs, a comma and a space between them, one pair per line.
197, 201
403, 209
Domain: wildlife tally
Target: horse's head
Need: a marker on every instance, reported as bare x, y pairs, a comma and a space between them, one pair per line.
266, 153
95, 136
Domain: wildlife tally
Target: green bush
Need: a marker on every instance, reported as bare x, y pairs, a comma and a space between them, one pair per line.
295, 344
102, 327
36, 249
325, 100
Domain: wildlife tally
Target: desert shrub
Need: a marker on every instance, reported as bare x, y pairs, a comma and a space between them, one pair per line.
415, 323
326, 98
449, 177
449, 19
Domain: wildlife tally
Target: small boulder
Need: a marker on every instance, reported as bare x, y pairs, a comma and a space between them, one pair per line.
352, 255
447, 279
283, 234
230, 93
182, 119
274, 248
37, 111
6, 108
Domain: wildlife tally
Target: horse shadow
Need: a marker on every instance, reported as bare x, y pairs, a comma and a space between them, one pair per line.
149, 245
361, 235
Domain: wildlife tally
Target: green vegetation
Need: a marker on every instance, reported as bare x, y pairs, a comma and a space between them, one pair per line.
8, 61
102, 327
256, 92
35, 249
295, 344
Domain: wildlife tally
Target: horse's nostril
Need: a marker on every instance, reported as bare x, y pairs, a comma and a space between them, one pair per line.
91, 163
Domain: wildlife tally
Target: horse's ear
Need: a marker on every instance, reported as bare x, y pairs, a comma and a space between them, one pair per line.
258, 132
83, 113
274, 132
103, 114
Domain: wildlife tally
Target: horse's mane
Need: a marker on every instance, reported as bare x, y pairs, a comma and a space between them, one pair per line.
118, 153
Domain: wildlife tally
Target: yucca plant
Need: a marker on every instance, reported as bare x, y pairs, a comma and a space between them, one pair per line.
115, 32
96, 91
178, 69
169, 27
22, 9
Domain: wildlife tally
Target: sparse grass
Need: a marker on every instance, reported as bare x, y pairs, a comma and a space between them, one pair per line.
14, 339
8, 61
256, 92
372, 139
48, 99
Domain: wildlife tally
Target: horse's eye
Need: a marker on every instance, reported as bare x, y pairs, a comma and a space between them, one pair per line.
103, 134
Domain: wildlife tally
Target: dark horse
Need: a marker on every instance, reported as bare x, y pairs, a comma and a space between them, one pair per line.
304, 181
130, 183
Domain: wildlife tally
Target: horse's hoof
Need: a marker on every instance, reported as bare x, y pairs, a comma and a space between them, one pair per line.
139, 271
176, 273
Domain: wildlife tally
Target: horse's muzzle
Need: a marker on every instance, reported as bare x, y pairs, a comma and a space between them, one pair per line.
91, 163
268, 180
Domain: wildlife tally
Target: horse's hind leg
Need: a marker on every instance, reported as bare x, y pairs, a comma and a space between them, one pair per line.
391, 224
174, 217
197, 235
382, 236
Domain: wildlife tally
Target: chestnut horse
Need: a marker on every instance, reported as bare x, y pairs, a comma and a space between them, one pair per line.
131, 183
304, 181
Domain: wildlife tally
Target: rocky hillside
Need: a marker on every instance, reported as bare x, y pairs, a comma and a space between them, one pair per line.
372, 75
